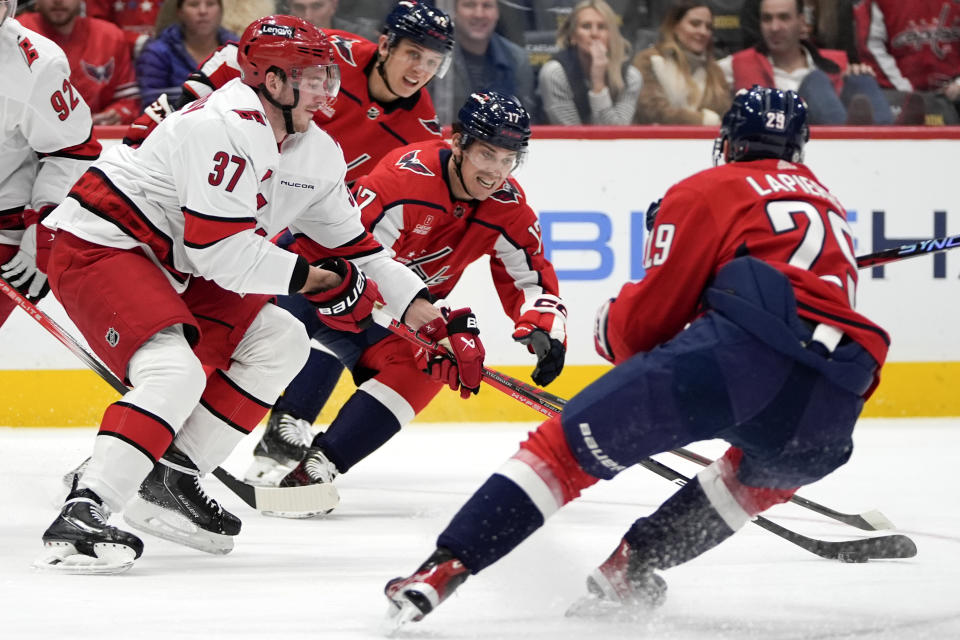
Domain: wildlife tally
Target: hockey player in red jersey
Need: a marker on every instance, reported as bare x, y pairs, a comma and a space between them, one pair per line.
47, 144
163, 262
742, 329
382, 104
438, 207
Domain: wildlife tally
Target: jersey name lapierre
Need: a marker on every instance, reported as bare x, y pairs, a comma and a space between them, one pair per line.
792, 183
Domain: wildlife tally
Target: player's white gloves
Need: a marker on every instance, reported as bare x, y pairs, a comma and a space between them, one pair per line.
21, 271
542, 327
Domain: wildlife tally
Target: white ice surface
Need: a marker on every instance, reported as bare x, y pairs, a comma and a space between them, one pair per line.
323, 578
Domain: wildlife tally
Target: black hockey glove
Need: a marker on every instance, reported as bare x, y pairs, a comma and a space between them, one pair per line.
652, 211
550, 356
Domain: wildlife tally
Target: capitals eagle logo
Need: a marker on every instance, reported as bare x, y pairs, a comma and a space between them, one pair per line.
411, 162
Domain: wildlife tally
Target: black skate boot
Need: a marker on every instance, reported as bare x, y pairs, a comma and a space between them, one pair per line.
414, 597
620, 586
314, 469
284, 443
172, 505
81, 541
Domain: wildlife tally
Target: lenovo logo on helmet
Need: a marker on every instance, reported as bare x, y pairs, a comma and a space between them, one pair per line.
276, 30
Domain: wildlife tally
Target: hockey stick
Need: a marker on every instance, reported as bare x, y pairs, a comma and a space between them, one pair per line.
307, 499
551, 405
924, 247
881, 547
868, 520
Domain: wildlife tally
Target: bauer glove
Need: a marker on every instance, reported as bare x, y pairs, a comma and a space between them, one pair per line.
542, 328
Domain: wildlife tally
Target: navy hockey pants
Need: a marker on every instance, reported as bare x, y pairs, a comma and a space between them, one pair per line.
716, 380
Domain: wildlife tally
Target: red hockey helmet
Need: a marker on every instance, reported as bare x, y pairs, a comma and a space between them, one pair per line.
288, 44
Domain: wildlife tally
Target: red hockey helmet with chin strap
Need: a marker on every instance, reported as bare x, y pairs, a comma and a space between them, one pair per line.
289, 45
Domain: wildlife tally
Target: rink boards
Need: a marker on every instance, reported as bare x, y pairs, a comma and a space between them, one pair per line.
591, 194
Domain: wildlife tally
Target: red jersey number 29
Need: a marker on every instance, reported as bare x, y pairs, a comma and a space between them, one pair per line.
781, 214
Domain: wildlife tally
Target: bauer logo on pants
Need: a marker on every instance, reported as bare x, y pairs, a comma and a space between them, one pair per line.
112, 337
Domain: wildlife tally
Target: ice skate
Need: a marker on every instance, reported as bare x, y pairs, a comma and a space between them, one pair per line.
81, 542
284, 443
414, 597
172, 505
619, 588
314, 469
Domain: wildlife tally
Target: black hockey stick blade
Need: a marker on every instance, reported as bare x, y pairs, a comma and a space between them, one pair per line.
879, 548
861, 550
868, 521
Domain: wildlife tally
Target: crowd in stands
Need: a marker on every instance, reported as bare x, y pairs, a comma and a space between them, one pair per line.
613, 62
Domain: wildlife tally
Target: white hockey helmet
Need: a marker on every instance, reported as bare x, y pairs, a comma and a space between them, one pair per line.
7, 8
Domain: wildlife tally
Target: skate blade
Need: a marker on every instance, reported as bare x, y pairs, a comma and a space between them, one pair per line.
62, 557
593, 607
266, 472
399, 615
308, 502
174, 527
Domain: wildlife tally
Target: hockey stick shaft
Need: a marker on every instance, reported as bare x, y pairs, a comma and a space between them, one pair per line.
868, 521
881, 547
922, 248
264, 499
552, 405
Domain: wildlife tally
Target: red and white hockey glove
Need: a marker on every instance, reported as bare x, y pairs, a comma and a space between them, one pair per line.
543, 328
147, 121
349, 305
463, 371
600, 342
21, 270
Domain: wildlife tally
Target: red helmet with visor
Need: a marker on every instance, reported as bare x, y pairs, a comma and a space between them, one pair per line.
294, 47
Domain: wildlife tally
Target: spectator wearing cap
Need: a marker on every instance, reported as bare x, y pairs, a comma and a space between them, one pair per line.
682, 83
178, 50
590, 80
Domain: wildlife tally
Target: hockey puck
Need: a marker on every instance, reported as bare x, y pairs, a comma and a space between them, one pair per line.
850, 556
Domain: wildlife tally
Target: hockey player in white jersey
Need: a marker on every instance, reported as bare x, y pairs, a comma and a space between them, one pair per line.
161, 258
46, 145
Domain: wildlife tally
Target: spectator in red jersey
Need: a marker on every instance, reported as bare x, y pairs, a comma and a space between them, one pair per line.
785, 59
136, 17
682, 83
914, 47
180, 48
100, 65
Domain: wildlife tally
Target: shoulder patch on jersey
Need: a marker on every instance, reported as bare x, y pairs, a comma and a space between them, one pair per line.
344, 47
432, 125
411, 162
101, 74
507, 194
29, 52
251, 114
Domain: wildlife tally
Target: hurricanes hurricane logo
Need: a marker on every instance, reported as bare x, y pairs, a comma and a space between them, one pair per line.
410, 162
432, 125
508, 194
99, 74
344, 47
